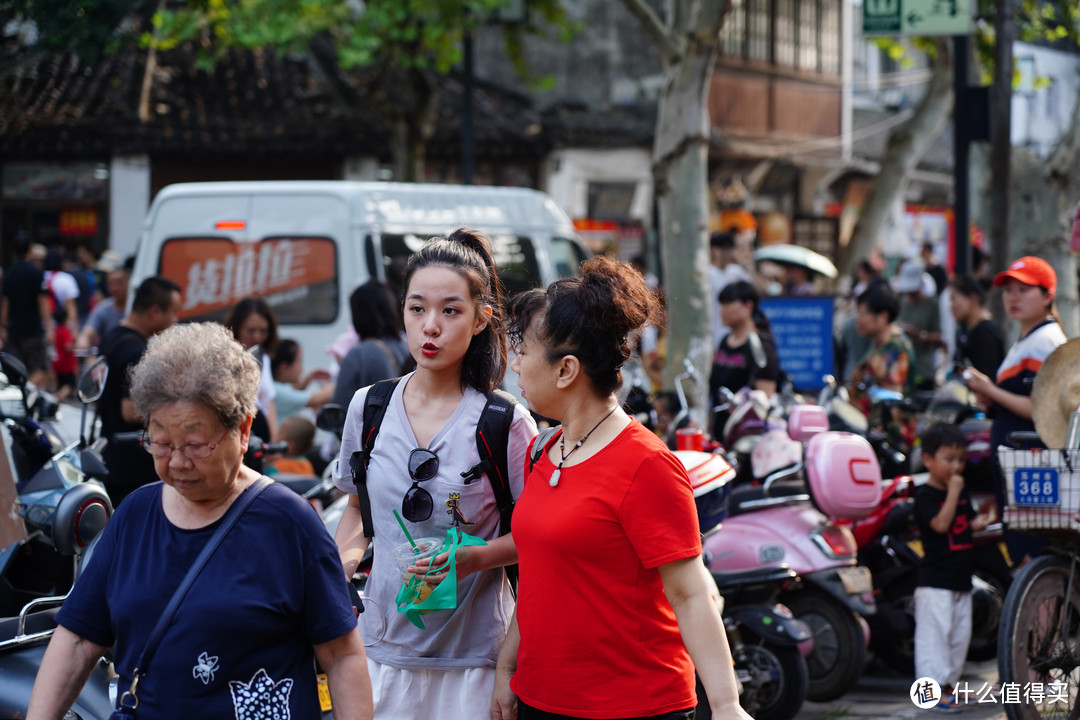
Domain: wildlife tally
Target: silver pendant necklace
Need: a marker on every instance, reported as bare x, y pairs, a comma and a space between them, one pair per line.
558, 470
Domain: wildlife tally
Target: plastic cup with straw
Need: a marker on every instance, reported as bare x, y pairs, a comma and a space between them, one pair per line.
406, 555
408, 536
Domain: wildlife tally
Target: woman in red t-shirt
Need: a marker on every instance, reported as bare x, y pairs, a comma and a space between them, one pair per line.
615, 607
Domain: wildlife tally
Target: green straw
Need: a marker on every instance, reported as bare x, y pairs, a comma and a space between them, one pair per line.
406, 531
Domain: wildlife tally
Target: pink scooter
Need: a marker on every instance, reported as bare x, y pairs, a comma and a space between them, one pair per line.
816, 475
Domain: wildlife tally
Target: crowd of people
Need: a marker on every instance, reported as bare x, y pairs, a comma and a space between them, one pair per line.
912, 333
273, 602
54, 306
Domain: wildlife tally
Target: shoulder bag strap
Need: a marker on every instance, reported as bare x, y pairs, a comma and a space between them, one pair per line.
394, 362
231, 516
375, 402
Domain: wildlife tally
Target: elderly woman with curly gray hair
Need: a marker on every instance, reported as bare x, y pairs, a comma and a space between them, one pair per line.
269, 602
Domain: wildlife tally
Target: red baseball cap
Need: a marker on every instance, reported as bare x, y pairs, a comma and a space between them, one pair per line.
1030, 270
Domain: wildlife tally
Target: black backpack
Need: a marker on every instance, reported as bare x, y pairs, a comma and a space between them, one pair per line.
492, 436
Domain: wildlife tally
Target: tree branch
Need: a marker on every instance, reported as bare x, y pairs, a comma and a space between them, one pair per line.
655, 28
905, 148
149, 69
1066, 153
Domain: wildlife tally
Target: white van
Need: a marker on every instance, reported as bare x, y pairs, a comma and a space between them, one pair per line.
304, 246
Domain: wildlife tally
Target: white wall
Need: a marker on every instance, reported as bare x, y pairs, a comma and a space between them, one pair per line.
129, 199
567, 174
1041, 114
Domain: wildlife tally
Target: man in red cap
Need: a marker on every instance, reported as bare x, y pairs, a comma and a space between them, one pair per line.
1028, 287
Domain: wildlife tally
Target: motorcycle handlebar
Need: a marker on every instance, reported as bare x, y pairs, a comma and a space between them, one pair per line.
275, 448
126, 437
1019, 438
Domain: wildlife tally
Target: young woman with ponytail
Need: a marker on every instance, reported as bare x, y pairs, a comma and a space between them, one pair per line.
453, 322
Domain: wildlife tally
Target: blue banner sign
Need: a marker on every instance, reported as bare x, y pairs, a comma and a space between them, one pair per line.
803, 328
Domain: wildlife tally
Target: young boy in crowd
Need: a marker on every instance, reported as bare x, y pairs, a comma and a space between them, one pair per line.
299, 432
943, 593
65, 365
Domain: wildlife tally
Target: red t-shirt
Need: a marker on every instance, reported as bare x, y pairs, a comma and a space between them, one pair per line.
65, 362
598, 637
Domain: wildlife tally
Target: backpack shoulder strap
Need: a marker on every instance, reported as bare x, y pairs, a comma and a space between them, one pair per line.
541, 443
375, 402
492, 438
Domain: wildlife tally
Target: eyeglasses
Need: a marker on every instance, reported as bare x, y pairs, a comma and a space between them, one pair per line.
417, 504
193, 451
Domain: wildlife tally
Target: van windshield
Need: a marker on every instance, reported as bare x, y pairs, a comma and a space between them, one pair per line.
567, 257
515, 256
297, 276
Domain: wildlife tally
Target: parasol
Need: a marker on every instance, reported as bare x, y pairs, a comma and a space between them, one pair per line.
797, 255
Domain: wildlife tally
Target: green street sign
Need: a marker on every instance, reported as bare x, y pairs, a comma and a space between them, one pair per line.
917, 17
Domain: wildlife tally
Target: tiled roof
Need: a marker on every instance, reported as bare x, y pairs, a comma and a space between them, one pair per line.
259, 103
251, 102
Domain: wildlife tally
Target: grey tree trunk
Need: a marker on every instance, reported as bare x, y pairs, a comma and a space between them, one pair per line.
688, 41
906, 147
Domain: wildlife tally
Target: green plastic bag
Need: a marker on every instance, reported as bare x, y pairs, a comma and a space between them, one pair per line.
415, 597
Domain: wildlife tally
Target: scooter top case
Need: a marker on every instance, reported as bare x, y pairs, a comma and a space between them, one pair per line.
843, 475
711, 476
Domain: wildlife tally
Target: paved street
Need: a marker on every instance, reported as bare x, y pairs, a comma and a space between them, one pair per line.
881, 695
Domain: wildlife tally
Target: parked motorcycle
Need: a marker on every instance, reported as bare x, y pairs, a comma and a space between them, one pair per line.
64, 509
810, 479
889, 545
767, 643
888, 538
846, 417
317, 490
29, 414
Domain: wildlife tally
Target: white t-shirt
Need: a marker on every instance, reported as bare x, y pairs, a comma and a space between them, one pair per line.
63, 286
470, 635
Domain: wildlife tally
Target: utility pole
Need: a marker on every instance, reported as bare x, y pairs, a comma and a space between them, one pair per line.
1001, 138
468, 142
961, 164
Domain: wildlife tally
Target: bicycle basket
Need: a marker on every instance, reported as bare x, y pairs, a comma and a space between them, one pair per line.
1042, 490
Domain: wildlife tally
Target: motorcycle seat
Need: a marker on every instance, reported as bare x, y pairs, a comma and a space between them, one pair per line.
743, 497
35, 622
299, 484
